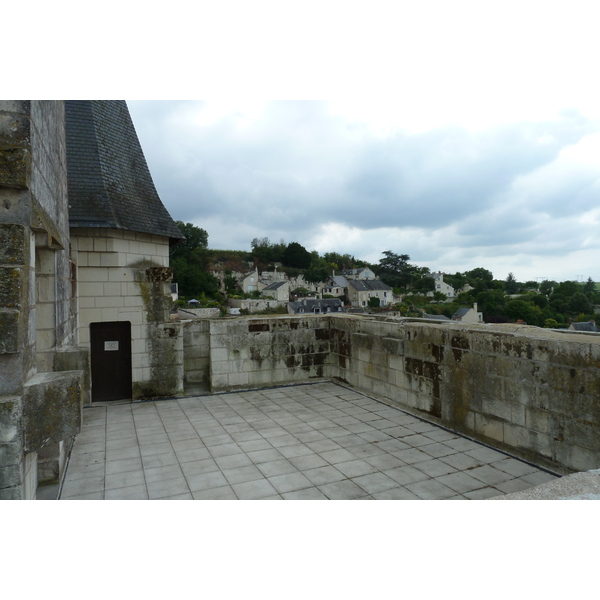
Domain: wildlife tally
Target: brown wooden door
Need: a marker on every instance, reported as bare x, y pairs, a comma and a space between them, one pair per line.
110, 345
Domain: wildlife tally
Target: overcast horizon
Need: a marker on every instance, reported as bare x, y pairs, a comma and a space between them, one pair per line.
519, 196
474, 142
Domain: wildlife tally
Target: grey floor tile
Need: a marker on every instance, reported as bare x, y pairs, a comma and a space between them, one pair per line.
434, 467
242, 474
290, 482
311, 493
90, 447
254, 445
164, 489
513, 485
254, 490
232, 461
276, 467
159, 460
295, 450
206, 481
374, 482
84, 496
485, 454
430, 489
309, 461
192, 454
342, 490
199, 466
355, 468
405, 475
262, 456
514, 467
126, 479
461, 461
437, 450
461, 444
221, 493
412, 456
163, 473
121, 443
461, 482
397, 493
322, 475
187, 496
224, 449
483, 493
489, 475
385, 462
158, 448
334, 457
85, 485
83, 472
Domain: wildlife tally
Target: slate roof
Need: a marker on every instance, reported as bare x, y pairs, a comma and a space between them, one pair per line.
587, 326
109, 182
438, 317
338, 281
275, 285
461, 312
308, 306
368, 285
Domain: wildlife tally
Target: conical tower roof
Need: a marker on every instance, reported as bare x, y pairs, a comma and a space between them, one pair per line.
109, 182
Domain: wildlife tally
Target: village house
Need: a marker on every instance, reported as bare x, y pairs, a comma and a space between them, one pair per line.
251, 282
468, 315
316, 307
441, 286
361, 291
361, 274
336, 285
279, 290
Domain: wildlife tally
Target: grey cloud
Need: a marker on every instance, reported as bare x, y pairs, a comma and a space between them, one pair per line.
297, 167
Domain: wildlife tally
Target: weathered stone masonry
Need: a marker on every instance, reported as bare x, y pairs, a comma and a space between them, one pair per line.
44, 376
532, 392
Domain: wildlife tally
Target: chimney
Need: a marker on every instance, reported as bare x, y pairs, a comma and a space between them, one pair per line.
475, 306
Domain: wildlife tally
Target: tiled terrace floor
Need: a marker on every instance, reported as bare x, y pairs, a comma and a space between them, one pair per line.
316, 441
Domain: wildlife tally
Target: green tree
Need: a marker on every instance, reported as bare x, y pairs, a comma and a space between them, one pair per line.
511, 285
579, 303
589, 287
374, 302
297, 256
395, 270
195, 238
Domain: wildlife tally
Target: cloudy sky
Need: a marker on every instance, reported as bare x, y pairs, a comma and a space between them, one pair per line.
465, 140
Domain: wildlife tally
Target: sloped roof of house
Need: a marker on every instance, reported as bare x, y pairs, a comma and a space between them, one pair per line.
438, 317
309, 306
339, 281
109, 184
367, 285
275, 285
588, 326
461, 312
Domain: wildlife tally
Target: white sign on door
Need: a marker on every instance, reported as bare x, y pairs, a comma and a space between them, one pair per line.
111, 346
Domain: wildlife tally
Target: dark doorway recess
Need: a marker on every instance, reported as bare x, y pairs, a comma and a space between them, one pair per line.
111, 360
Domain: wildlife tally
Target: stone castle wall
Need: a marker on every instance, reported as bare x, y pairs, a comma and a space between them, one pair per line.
530, 391
42, 373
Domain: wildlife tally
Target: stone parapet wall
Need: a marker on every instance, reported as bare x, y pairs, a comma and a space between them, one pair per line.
532, 392
196, 345
272, 351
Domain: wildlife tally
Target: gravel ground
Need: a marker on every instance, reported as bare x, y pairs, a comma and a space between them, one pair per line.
578, 486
